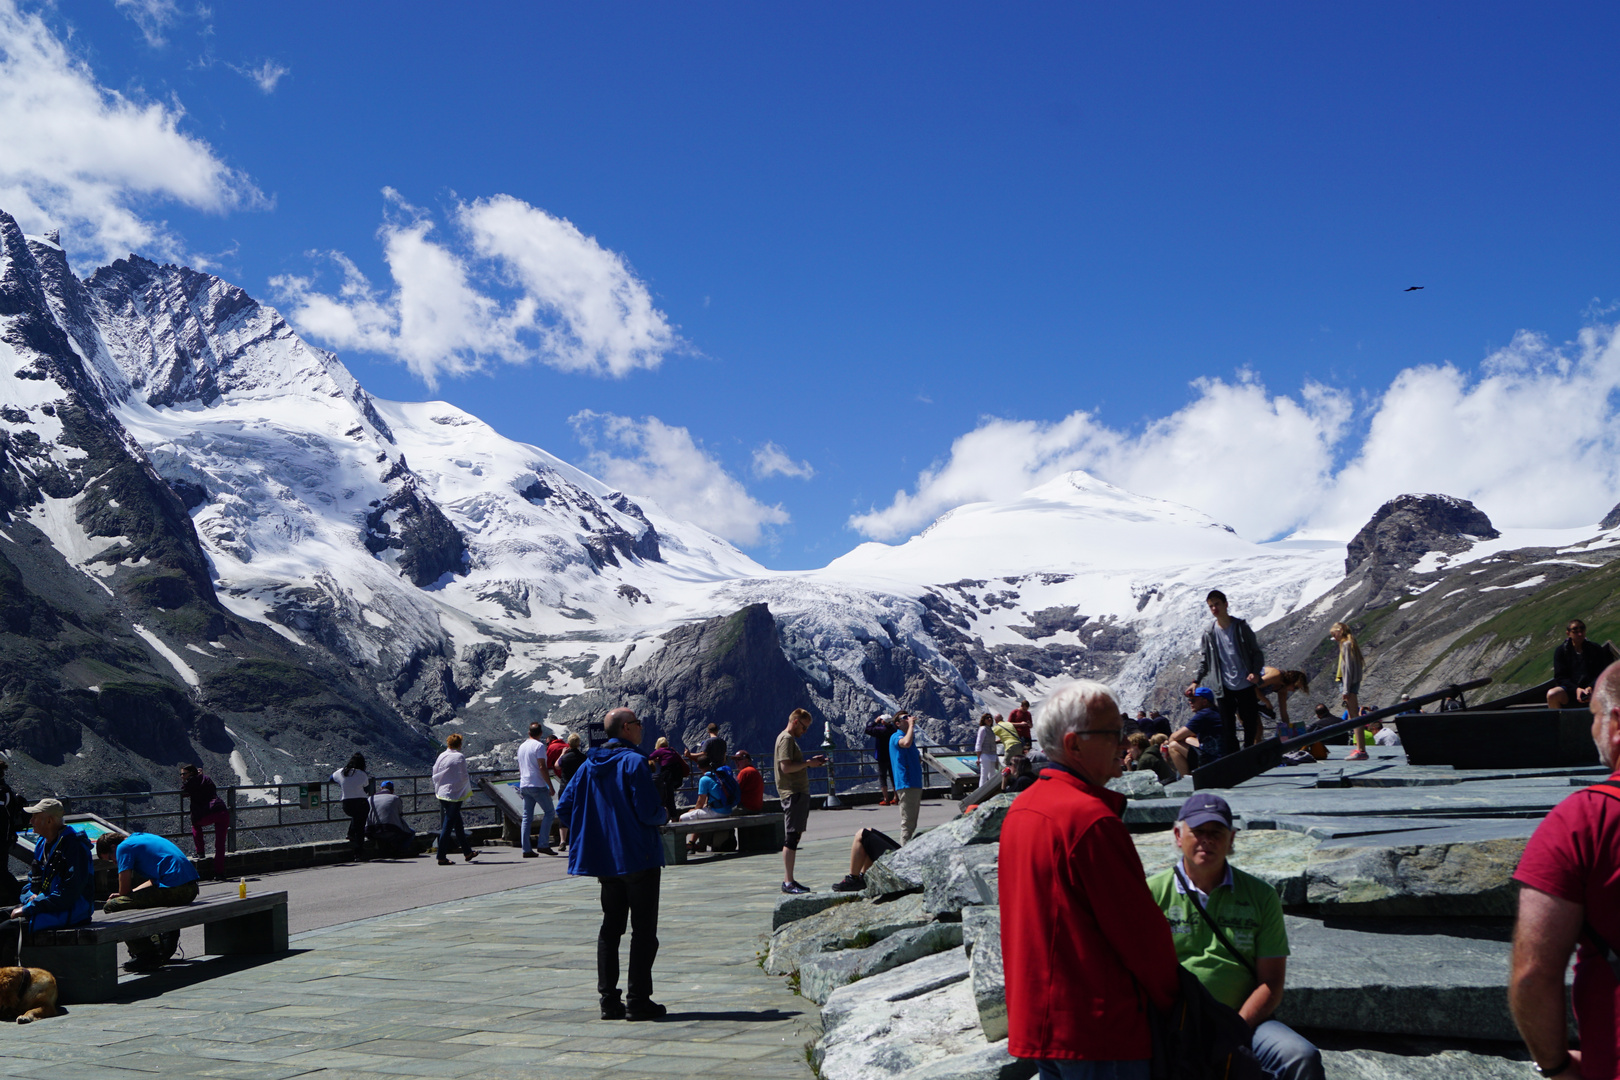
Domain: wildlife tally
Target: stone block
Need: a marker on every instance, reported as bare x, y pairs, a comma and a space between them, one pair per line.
957, 880
846, 926
1421, 978
902, 871
1278, 858
1137, 785
820, 975
900, 1021
986, 1063
1445, 1065
793, 908
978, 921
1152, 813
1456, 879
989, 983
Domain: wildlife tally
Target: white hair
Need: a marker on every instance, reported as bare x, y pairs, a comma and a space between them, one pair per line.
1069, 709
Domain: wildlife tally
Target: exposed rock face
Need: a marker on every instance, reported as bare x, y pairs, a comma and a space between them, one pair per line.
413, 533
730, 671
1407, 528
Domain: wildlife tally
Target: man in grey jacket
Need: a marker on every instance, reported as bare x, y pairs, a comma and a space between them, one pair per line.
1231, 654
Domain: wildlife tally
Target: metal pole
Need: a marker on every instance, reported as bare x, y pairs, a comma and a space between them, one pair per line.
230, 804
833, 802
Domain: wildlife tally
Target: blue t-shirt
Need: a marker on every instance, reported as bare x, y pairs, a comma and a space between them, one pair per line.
152, 857
907, 763
716, 791
1206, 724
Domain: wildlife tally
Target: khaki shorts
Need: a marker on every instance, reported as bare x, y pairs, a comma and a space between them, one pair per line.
796, 812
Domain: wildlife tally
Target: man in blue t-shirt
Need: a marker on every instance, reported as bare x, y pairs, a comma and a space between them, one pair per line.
907, 773
152, 872
1205, 726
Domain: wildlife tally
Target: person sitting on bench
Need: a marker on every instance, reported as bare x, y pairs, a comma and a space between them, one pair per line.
385, 825
1576, 665
867, 848
717, 797
60, 880
152, 872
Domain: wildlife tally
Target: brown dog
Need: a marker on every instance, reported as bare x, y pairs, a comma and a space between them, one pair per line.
29, 994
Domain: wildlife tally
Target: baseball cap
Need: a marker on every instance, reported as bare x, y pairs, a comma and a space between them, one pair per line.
1204, 692
1203, 808
46, 806
386, 785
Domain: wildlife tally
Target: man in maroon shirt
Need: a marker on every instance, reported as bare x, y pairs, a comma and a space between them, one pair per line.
1570, 875
1021, 721
1084, 946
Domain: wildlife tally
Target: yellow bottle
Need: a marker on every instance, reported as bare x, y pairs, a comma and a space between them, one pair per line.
241, 889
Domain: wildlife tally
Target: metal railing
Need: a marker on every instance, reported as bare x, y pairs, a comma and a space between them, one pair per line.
852, 770
296, 811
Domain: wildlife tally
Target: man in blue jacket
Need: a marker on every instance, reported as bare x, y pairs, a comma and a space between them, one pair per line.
58, 893
613, 811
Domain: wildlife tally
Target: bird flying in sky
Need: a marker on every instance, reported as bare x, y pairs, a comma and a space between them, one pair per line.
1412, 288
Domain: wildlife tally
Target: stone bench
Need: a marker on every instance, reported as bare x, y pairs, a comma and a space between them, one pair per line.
758, 833
84, 959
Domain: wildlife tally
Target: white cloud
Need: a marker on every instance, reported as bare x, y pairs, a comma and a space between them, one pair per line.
649, 457
1248, 458
772, 460
266, 74
572, 303
152, 16
85, 159
1533, 439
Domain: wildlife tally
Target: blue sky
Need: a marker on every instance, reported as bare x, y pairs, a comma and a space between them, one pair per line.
943, 250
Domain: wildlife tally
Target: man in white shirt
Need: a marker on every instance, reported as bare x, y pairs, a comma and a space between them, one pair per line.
534, 784
1381, 735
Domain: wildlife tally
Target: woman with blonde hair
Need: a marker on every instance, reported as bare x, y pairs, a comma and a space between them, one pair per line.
452, 786
1349, 678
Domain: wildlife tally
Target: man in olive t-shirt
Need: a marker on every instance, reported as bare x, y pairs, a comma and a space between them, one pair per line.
793, 785
1250, 914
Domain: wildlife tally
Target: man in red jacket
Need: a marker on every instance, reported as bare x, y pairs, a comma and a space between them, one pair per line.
1085, 949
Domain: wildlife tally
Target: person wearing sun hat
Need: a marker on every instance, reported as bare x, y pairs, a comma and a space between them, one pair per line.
1228, 930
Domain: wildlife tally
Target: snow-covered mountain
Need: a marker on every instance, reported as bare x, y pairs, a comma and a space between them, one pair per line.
211, 517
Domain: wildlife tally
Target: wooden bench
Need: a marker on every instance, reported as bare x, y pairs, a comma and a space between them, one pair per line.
84, 959
757, 833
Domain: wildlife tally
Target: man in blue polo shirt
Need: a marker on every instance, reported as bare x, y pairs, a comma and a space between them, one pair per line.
907, 773
152, 872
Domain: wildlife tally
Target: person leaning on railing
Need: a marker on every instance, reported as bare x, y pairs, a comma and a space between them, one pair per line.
206, 809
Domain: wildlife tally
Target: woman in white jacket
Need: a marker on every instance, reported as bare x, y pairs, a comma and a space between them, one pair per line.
452, 786
355, 784
985, 746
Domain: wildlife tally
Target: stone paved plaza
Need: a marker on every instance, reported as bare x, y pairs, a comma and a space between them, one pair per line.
501, 985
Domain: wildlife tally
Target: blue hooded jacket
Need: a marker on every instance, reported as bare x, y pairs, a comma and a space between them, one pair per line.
613, 810
68, 882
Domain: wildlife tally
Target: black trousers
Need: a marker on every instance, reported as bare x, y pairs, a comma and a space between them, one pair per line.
632, 897
1233, 704
357, 809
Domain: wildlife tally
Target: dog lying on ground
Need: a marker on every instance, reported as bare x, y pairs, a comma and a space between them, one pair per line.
29, 994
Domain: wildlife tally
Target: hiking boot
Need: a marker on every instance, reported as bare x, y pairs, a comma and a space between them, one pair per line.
645, 1010
612, 1009
851, 883
793, 888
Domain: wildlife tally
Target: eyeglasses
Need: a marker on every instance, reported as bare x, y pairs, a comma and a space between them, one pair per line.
1117, 733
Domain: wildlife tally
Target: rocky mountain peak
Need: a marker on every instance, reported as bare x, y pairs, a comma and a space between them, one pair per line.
1408, 527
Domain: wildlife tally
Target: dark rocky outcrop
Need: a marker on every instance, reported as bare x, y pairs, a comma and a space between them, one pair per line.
1408, 527
411, 524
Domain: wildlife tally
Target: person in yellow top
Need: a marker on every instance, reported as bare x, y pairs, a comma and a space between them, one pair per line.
1007, 735
1349, 679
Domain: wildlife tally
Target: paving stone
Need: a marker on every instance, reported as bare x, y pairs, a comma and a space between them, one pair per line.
819, 976
848, 926
962, 878
792, 908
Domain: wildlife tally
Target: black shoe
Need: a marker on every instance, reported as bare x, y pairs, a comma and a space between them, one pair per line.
443, 861
646, 1010
613, 1009
851, 883
145, 963
793, 888
531, 854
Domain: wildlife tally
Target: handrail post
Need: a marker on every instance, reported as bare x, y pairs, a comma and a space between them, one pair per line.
230, 830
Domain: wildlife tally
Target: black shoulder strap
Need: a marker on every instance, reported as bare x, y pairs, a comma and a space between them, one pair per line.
1220, 935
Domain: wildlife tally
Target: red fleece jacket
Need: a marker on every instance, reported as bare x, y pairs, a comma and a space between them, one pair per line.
1083, 945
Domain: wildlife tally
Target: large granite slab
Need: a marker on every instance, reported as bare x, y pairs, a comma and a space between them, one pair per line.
1425, 978
904, 870
1137, 785
1444, 1065
988, 980
847, 926
898, 1021
792, 908
820, 975
1441, 872
962, 878
986, 1063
